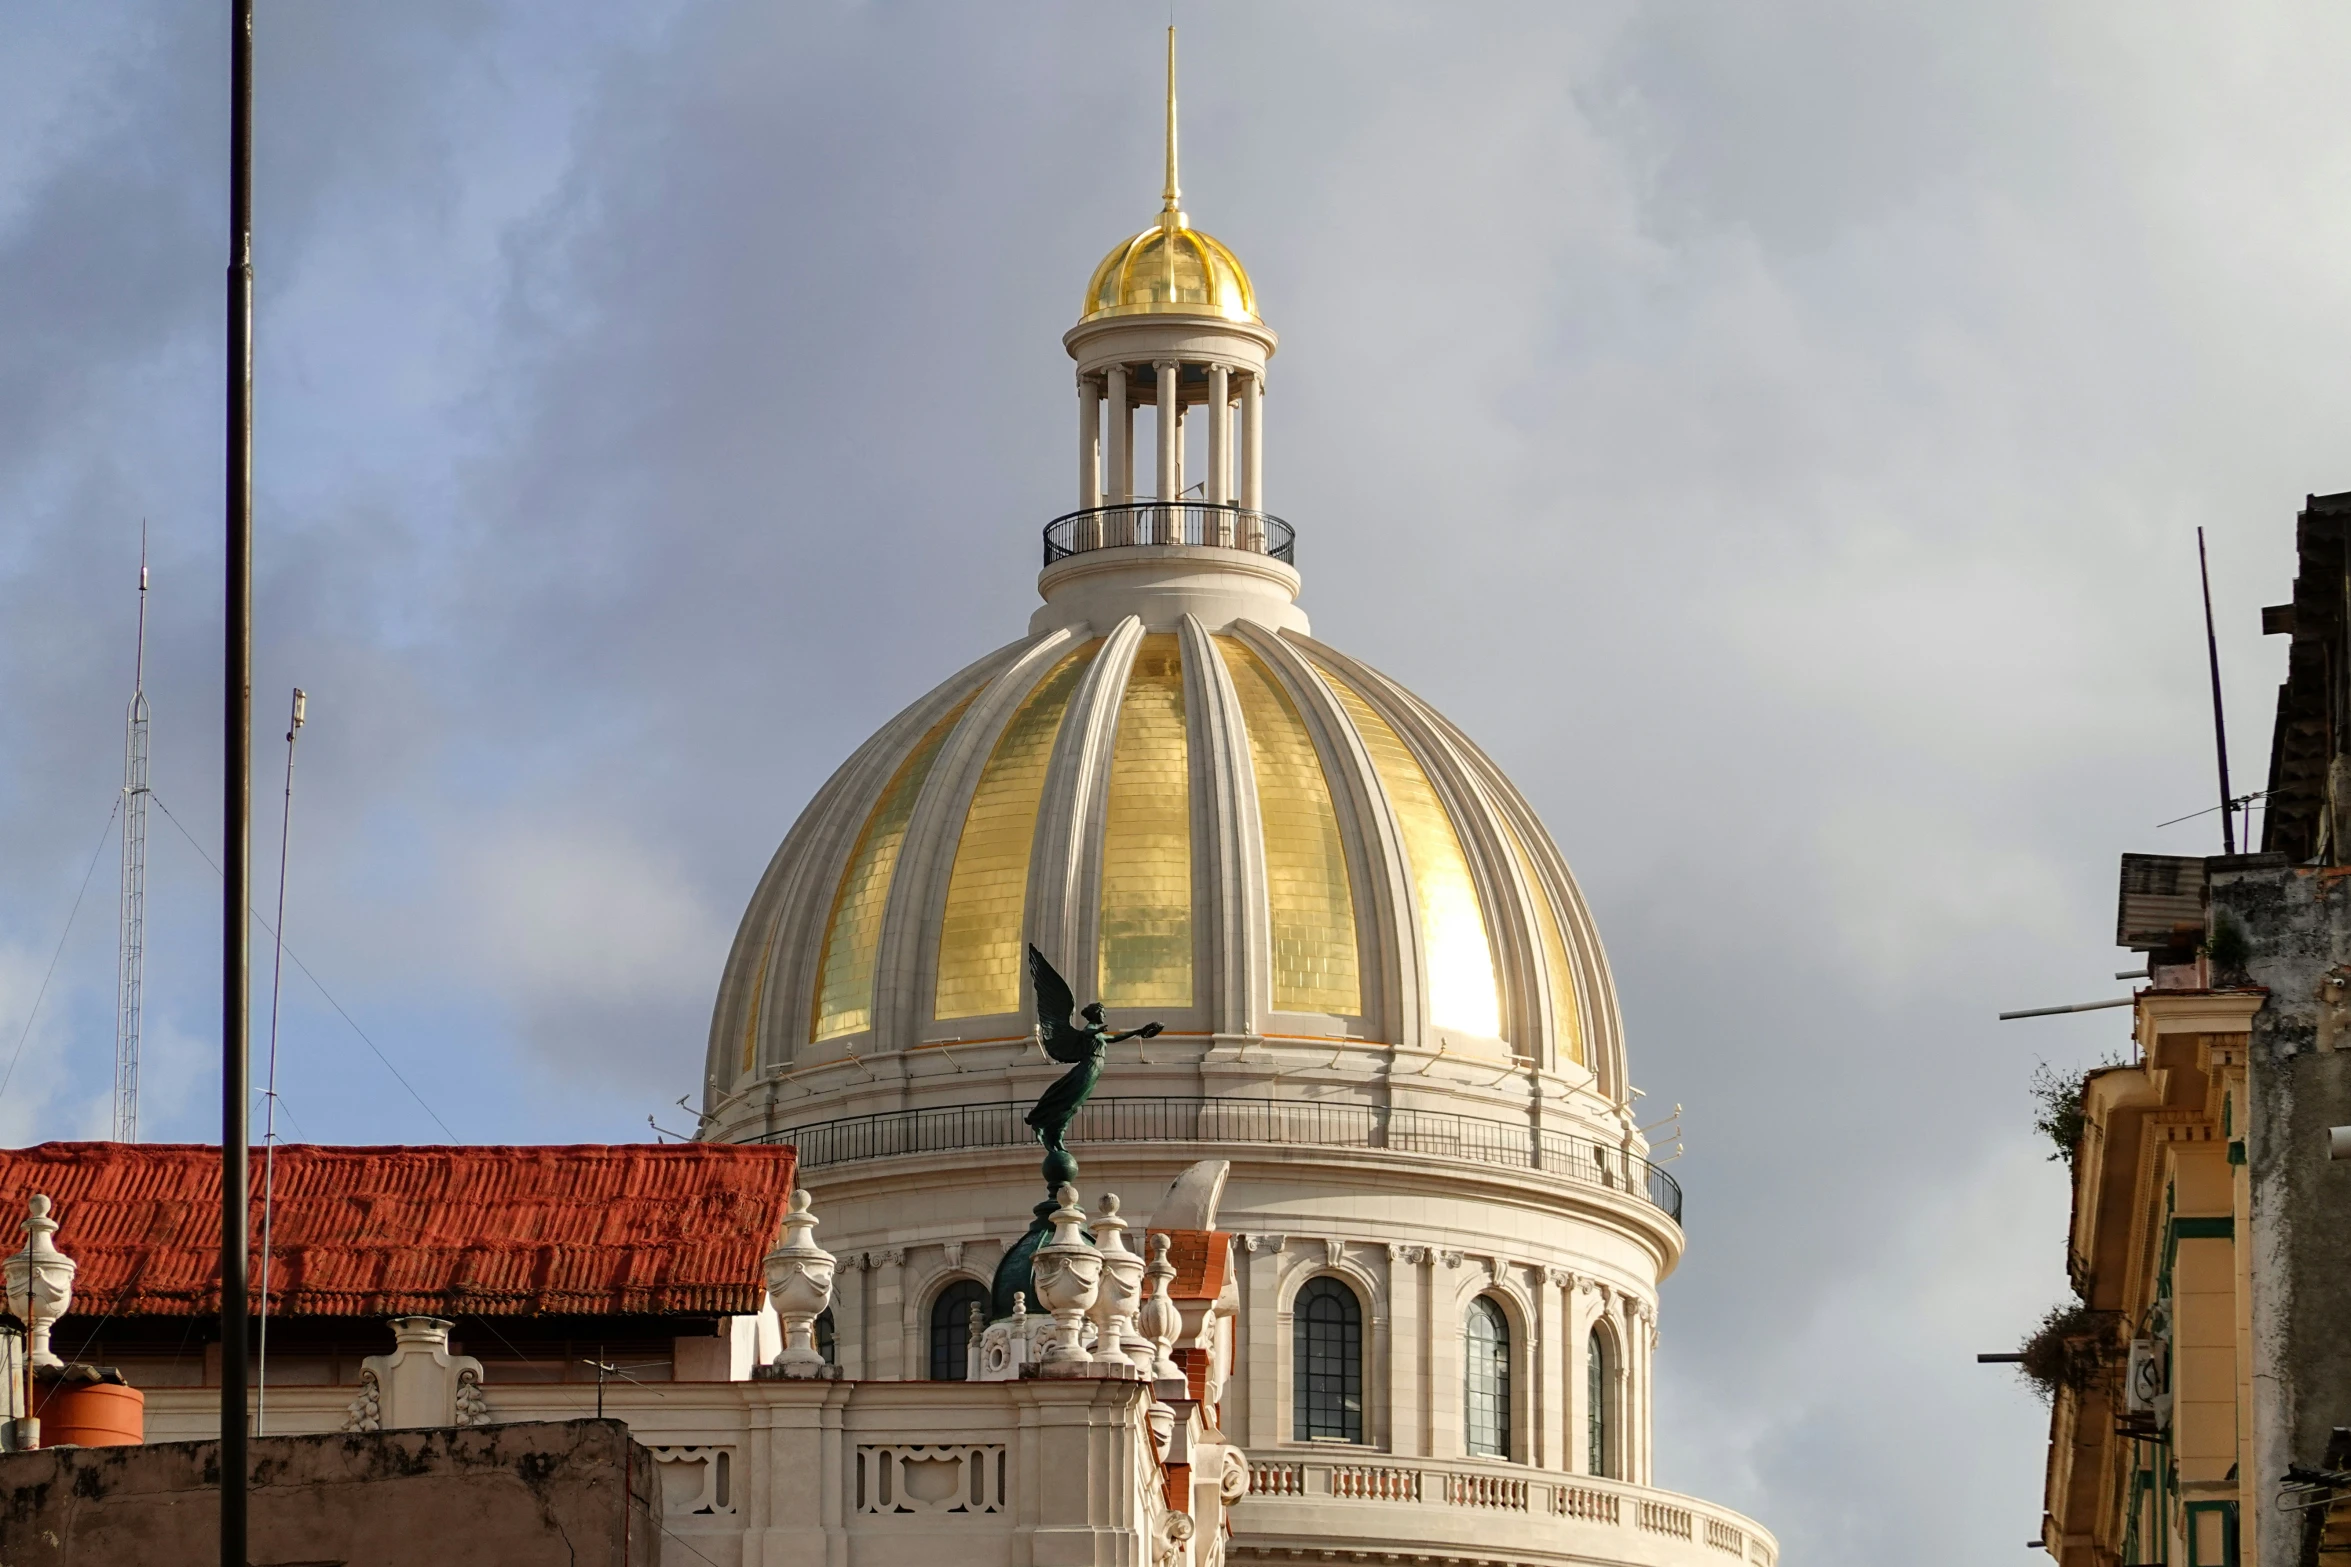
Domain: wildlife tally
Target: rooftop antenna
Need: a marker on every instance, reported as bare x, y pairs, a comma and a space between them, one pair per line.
269, 1095
2220, 733
131, 970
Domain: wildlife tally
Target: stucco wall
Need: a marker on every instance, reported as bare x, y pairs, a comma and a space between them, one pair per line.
2298, 1079
546, 1494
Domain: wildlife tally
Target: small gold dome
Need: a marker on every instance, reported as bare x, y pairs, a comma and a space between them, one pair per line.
1171, 268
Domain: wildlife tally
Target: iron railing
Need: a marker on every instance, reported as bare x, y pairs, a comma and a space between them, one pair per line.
1170, 522
1285, 1122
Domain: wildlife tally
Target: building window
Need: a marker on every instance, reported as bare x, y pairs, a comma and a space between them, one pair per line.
1328, 1395
1487, 1386
951, 1328
826, 1345
1596, 1433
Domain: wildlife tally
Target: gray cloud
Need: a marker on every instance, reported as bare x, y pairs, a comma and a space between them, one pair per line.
1775, 435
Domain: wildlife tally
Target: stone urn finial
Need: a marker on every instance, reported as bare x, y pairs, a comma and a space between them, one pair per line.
39, 1279
1158, 1318
1068, 1272
1122, 1292
800, 1287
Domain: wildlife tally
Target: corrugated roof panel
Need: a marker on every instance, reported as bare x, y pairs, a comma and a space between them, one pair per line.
592, 1229
2162, 897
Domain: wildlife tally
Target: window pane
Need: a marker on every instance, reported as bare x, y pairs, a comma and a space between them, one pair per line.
951, 1328
1487, 1392
1327, 1352
1596, 1403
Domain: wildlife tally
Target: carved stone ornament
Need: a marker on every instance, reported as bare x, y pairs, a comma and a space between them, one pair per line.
40, 1280
472, 1408
1068, 1272
1232, 1477
954, 1251
800, 1287
1559, 1278
366, 1412
1266, 1243
1451, 1259
1159, 1320
1332, 1251
1414, 1255
1175, 1539
1122, 1291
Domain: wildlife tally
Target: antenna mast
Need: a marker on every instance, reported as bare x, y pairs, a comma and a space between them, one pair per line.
2220, 732
131, 976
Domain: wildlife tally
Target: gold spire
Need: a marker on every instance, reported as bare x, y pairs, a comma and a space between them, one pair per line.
1171, 211
1171, 268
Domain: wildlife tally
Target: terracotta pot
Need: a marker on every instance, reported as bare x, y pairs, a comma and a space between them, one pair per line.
95, 1414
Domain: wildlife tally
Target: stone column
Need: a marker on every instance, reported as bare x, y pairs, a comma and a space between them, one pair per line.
1552, 1360
1122, 436
850, 1330
1253, 445
1260, 1351
1644, 1406
1447, 1326
1407, 1361
1171, 424
1220, 446
885, 1337
1089, 443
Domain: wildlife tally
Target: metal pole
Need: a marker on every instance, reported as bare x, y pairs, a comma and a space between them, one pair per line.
2220, 733
236, 999
269, 1095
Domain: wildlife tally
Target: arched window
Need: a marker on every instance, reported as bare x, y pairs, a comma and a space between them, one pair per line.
1487, 1391
1328, 1389
1597, 1437
951, 1328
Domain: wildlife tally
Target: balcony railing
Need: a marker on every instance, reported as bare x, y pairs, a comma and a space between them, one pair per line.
1170, 522
1280, 1122
1680, 1529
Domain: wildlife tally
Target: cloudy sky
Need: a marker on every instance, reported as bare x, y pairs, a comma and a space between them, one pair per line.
1776, 432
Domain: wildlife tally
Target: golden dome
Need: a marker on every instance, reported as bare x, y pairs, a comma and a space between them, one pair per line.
1171, 269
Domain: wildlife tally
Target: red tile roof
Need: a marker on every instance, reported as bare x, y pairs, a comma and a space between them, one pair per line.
633, 1229
1200, 1258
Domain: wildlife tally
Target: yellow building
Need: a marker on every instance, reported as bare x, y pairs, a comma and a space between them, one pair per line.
2150, 1435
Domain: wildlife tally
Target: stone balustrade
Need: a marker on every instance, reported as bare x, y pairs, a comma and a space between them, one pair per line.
1486, 1509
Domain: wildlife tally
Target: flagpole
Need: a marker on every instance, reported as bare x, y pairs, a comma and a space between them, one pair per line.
236, 998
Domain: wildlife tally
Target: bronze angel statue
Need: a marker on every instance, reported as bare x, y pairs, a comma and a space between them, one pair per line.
1081, 1047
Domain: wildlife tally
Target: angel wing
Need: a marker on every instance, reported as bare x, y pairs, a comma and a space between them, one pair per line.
1061, 1040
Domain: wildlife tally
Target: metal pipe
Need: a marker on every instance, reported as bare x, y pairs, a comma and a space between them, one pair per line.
236, 997
2079, 1006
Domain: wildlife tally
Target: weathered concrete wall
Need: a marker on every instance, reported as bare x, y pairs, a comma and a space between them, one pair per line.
544, 1494
2298, 1077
